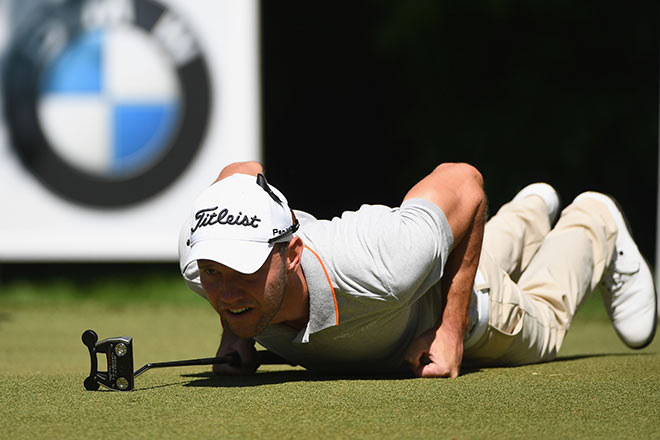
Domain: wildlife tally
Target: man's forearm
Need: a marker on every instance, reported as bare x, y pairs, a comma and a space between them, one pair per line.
457, 189
458, 279
445, 342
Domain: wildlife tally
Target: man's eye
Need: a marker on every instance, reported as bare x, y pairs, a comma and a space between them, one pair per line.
210, 271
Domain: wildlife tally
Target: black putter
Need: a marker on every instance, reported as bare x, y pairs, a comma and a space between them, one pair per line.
119, 353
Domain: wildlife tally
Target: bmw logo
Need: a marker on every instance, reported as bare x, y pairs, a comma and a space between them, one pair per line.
107, 101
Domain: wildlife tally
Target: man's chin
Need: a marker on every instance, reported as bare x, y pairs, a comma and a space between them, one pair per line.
244, 331
244, 334
247, 324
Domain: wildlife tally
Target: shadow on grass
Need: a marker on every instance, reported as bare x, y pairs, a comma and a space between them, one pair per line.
279, 377
568, 358
209, 379
184, 383
138, 388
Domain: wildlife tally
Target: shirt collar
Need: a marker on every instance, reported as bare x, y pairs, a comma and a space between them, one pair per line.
323, 312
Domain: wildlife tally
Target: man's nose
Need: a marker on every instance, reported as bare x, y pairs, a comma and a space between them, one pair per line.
230, 292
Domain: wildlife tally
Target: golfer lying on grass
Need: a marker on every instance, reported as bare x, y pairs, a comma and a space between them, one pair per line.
427, 286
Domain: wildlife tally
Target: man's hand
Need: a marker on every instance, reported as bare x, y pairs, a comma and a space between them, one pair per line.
436, 353
246, 352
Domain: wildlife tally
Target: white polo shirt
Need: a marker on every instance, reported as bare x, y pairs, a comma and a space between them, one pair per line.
373, 278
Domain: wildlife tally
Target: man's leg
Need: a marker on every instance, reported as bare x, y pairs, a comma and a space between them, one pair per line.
511, 239
529, 319
513, 236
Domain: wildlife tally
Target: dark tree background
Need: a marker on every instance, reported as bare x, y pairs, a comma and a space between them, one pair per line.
363, 98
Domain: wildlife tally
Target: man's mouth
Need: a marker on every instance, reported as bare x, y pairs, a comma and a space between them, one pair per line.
239, 311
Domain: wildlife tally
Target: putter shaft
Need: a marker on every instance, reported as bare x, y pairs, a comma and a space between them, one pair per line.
232, 358
265, 357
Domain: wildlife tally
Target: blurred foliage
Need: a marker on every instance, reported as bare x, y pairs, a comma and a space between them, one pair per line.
114, 285
362, 99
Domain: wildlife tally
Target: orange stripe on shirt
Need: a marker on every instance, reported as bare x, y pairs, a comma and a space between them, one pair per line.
334, 297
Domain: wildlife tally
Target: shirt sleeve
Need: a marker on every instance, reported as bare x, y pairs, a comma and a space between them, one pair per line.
396, 254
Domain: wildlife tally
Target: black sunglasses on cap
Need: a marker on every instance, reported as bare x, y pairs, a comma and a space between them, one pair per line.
263, 183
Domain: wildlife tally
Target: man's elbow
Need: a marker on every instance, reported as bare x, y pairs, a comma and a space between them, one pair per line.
457, 188
469, 188
468, 175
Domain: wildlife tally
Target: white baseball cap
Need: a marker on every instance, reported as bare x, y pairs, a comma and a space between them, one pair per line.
237, 221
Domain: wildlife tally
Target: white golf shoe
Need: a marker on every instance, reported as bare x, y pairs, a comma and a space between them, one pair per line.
627, 285
547, 193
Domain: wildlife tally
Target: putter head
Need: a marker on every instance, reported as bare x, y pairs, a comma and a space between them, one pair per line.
119, 354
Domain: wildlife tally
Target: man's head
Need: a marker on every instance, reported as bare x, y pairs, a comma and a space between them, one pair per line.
247, 303
241, 236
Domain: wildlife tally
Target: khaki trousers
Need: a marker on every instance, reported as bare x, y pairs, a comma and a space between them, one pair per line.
538, 277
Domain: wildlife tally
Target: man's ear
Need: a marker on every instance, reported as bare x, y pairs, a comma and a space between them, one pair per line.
294, 253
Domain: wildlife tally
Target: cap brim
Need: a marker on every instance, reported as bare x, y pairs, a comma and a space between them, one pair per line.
245, 257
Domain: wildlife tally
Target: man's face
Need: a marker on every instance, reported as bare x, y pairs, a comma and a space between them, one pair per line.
246, 303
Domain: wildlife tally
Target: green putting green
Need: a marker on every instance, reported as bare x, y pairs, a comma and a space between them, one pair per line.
596, 389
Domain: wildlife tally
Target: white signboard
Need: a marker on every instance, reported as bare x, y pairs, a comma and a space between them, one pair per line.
116, 114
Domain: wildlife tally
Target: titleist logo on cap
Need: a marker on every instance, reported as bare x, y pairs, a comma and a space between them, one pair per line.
211, 216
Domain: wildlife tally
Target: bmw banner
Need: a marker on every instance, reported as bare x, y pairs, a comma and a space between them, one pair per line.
115, 115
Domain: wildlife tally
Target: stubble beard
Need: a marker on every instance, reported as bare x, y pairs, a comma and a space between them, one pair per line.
273, 299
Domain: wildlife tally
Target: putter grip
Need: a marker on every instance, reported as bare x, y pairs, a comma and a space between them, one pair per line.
266, 357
